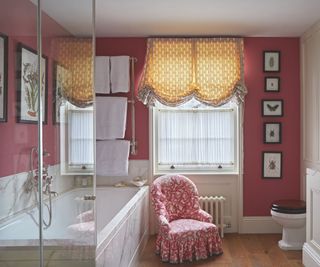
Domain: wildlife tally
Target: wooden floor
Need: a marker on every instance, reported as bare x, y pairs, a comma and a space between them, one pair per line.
249, 250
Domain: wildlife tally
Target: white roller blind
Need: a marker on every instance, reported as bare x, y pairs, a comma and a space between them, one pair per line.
196, 137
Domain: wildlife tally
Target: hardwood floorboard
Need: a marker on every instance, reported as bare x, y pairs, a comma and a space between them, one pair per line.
247, 250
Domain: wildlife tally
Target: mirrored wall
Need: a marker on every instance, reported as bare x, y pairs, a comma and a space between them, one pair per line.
46, 125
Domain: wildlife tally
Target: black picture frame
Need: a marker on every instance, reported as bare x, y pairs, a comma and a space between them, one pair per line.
26, 93
3, 77
272, 133
272, 84
59, 73
271, 164
272, 107
271, 61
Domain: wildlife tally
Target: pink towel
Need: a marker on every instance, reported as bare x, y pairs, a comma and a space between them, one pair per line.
86, 216
85, 227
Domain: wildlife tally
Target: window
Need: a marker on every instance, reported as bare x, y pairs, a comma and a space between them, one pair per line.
77, 146
80, 137
195, 138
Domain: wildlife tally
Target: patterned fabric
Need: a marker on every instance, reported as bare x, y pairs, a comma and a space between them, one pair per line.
208, 69
185, 231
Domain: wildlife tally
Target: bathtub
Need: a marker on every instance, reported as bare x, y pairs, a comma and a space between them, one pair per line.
121, 222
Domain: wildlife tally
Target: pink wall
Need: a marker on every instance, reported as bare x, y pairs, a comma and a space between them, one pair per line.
18, 138
258, 193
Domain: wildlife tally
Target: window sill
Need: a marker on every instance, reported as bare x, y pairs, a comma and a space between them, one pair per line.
189, 172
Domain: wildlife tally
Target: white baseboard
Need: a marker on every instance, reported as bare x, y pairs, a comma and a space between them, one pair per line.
310, 258
259, 225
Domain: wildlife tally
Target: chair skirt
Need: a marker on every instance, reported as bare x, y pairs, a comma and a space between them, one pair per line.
188, 240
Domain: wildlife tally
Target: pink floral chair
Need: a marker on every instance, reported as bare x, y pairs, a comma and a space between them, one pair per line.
185, 231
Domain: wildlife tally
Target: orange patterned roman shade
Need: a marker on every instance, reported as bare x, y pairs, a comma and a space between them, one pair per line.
76, 56
208, 69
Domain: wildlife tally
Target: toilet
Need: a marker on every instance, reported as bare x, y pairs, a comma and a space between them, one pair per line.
291, 215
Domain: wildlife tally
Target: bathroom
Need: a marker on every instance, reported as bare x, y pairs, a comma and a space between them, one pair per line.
67, 222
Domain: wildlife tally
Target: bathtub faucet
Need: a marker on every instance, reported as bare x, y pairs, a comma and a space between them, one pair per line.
47, 190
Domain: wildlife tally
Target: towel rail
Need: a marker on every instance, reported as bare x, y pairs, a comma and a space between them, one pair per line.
133, 142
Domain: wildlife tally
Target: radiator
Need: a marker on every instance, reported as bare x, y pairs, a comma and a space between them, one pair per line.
214, 206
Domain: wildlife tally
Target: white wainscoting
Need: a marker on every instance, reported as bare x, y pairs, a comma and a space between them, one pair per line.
310, 141
310, 102
311, 249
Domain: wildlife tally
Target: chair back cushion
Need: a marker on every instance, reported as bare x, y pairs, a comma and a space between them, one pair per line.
175, 197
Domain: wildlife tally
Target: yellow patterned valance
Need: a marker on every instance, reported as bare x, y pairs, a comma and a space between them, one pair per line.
76, 56
208, 69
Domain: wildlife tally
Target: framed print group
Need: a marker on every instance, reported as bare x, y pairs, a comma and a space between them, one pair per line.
27, 91
272, 164
3, 77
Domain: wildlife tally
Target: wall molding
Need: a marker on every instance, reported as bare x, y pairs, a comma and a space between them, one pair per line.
312, 30
258, 225
310, 257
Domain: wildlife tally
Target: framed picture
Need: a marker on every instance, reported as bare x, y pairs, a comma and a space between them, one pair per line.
272, 107
272, 84
271, 61
272, 133
27, 91
3, 77
61, 80
272, 164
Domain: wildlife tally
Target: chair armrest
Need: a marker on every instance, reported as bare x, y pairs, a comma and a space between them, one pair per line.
163, 224
203, 216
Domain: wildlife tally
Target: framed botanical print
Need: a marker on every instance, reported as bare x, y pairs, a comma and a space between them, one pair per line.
272, 164
272, 133
61, 80
271, 61
3, 77
28, 91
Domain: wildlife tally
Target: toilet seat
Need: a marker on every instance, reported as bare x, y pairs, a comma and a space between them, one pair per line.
289, 206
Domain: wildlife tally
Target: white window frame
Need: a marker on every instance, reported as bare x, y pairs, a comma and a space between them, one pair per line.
197, 170
66, 168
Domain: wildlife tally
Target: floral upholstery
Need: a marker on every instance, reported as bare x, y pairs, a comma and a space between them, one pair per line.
185, 231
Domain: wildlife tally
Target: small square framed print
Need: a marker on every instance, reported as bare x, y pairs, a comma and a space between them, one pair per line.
272, 164
272, 133
271, 61
272, 107
272, 84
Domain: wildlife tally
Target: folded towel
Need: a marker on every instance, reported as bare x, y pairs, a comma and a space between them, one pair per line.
120, 76
112, 157
86, 216
102, 75
111, 117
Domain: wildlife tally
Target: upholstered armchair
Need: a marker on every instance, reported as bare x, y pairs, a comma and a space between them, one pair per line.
185, 231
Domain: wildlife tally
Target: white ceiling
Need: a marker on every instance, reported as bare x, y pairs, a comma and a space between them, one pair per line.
125, 18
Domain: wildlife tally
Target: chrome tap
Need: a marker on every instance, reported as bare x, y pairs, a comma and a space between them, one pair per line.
47, 190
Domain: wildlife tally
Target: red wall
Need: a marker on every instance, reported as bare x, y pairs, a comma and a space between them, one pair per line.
17, 139
258, 192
